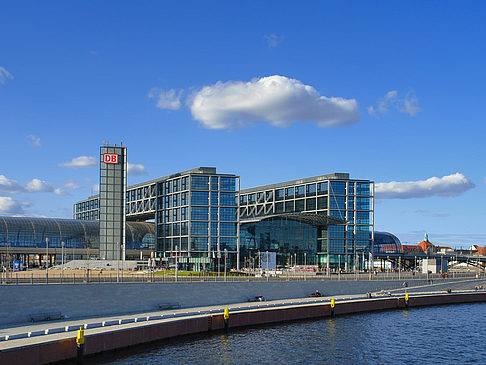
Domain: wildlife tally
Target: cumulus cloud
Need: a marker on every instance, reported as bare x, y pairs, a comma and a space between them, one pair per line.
9, 206
70, 184
407, 104
60, 191
10, 186
33, 140
81, 161
38, 186
170, 99
450, 185
278, 100
273, 40
136, 169
4, 75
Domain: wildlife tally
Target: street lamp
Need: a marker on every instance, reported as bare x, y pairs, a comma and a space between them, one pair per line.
225, 257
47, 259
62, 260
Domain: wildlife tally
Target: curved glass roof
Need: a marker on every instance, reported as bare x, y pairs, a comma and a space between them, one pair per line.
386, 242
33, 232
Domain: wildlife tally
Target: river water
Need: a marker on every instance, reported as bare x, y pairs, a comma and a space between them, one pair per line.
433, 335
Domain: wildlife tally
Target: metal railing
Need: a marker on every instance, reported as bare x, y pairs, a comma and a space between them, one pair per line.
26, 278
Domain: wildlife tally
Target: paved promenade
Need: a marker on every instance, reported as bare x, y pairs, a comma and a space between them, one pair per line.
198, 319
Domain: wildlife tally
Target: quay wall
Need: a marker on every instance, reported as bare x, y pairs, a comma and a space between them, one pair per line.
64, 349
18, 302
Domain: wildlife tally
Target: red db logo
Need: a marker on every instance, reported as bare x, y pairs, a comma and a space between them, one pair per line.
110, 158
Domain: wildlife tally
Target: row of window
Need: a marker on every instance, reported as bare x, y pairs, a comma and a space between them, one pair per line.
301, 191
87, 216
87, 205
197, 229
140, 193
197, 213
197, 244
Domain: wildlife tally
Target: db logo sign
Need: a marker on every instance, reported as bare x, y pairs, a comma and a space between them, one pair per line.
110, 158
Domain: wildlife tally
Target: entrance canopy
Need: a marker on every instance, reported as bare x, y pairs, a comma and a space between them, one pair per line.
305, 217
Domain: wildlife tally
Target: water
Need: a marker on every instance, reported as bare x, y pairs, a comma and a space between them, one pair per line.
445, 334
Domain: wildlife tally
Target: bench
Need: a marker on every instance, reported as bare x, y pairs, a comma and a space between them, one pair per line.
45, 316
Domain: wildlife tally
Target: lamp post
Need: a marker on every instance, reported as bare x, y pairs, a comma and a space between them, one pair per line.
176, 262
47, 259
225, 257
62, 260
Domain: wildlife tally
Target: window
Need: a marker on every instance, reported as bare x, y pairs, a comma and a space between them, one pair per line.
279, 194
252, 198
289, 193
227, 214
199, 198
269, 195
322, 203
300, 191
363, 203
362, 188
289, 206
322, 188
310, 204
199, 228
337, 202
199, 213
199, 243
279, 207
350, 188
214, 198
243, 200
214, 214
200, 182
228, 184
299, 205
338, 188
214, 183
227, 229
311, 190
227, 199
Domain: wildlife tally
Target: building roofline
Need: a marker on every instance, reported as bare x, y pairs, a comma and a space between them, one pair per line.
332, 176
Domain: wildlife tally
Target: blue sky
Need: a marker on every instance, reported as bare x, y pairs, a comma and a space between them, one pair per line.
389, 91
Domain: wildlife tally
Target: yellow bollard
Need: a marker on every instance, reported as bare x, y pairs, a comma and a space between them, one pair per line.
80, 337
332, 303
80, 346
226, 319
406, 297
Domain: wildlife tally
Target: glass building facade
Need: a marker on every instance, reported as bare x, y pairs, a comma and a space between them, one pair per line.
197, 217
195, 214
327, 245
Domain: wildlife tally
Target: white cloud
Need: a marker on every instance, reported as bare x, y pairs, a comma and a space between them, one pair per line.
10, 186
81, 161
4, 75
38, 186
136, 169
72, 185
33, 140
408, 104
9, 206
95, 188
278, 100
273, 40
59, 191
170, 99
450, 185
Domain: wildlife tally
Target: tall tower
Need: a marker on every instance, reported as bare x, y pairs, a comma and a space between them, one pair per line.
113, 186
